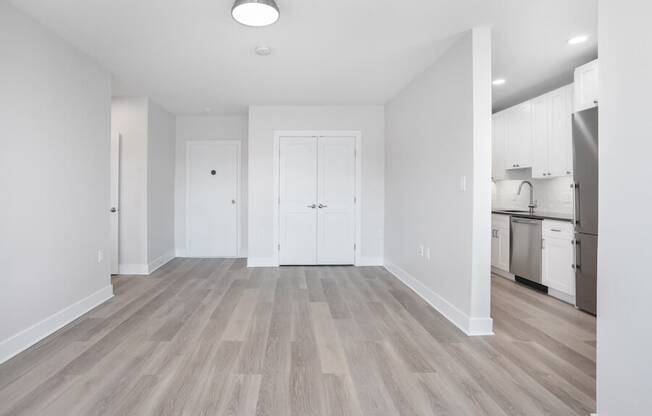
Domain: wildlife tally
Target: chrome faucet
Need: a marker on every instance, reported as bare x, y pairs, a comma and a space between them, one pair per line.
532, 204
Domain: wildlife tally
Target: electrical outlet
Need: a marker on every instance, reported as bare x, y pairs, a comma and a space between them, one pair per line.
100, 255
421, 251
463, 183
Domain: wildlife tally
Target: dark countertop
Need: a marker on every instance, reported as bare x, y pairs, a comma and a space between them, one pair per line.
538, 215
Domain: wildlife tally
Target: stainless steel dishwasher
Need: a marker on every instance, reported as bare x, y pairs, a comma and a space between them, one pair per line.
526, 249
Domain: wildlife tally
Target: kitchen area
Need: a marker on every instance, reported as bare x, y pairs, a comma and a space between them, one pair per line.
545, 191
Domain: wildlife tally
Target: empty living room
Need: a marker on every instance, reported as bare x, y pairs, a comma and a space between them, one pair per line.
324, 208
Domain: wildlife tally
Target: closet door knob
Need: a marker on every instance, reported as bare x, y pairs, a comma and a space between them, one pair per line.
323, 206
313, 206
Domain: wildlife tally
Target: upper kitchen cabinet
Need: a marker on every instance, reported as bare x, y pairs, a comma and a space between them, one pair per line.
518, 128
552, 134
586, 86
498, 148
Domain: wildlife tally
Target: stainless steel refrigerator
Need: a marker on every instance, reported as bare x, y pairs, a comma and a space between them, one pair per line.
585, 183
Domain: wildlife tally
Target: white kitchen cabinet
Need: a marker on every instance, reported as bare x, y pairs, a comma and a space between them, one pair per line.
586, 86
540, 136
558, 257
498, 141
518, 127
552, 134
500, 241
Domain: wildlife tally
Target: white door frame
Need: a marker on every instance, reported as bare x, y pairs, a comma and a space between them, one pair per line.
116, 144
357, 135
238, 192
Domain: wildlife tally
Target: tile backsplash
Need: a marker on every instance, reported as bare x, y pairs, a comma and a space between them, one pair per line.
551, 195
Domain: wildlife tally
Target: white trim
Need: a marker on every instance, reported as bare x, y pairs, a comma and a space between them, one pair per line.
470, 326
133, 269
502, 273
160, 261
357, 135
238, 221
35, 333
370, 261
262, 262
564, 297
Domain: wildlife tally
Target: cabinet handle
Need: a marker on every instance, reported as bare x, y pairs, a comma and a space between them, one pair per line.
557, 230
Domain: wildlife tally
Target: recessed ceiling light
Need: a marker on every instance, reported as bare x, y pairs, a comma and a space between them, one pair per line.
577, 39
499, 81
263, 50
255, 12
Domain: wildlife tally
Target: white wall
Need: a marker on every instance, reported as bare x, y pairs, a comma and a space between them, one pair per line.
438, 131
129, 117
624, 365
54, 182
160, 186
264, 120
146, 183
207, 128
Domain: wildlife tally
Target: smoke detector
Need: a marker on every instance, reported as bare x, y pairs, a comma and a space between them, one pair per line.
263, 50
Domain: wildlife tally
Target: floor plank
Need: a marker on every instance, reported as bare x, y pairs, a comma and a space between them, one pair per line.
210, 336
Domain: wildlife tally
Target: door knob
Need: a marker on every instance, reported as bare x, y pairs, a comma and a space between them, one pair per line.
323, 206
233, 201
312, 206
113, 209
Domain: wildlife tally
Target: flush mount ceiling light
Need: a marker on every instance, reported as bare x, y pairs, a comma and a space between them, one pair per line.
499, 81
577, 39
255, 12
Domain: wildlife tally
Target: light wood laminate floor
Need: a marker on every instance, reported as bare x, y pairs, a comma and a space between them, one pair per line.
211, 337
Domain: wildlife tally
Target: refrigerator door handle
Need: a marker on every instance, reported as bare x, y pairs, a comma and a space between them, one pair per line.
576, 185
578, 255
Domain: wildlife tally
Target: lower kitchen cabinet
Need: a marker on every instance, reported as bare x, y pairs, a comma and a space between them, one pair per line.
500, 242
558, 257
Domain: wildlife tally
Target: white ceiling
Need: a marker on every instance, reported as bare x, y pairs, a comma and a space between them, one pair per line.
189, 55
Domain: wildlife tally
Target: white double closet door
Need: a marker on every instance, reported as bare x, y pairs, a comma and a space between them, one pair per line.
317, 200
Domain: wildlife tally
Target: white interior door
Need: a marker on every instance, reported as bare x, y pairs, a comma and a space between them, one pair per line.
335, 199
114, 210
212, 213
297, 200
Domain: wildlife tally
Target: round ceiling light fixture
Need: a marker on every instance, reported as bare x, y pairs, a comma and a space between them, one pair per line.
255, 13
575, 40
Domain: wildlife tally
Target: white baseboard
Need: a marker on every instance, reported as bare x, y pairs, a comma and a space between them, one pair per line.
160, 261
30, 336
370, 261
502, 273
470, 326
262, 262
564, 297
133, 269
